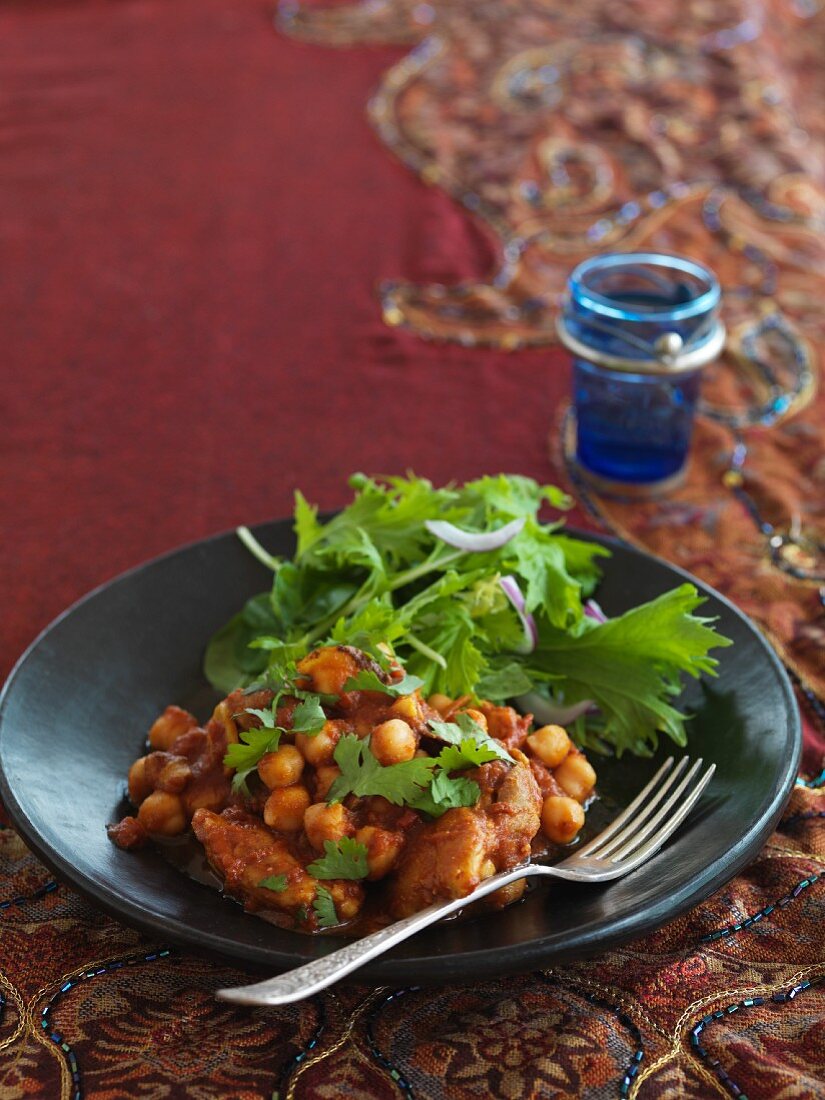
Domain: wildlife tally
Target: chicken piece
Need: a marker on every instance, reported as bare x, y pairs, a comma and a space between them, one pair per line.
329, 667
513, 803
127, 834
442, 860
448, 857
244, 852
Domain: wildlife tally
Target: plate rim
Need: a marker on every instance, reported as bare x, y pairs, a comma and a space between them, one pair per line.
431, 968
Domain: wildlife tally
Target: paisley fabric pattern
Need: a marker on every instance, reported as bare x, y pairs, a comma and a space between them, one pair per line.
696, 128
93, 1010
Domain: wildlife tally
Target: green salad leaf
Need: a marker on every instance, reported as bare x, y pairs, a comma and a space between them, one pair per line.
374, 574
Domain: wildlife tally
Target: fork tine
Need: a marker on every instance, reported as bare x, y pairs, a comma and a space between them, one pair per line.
632, 827
649, 829
617, 827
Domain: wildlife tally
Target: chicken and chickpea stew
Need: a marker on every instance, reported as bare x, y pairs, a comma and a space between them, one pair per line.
343, 798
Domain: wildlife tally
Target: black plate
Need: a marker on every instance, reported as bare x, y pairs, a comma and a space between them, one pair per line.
74, 713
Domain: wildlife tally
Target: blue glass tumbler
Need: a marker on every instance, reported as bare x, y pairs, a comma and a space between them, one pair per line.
640, 326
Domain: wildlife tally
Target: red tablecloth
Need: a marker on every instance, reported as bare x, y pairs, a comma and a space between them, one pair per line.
194, 214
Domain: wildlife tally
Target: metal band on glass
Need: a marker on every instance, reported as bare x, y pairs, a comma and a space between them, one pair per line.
661, 364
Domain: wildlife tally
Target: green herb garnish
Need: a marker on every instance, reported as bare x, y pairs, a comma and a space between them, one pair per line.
308, 717
367, 680
324, 908
276, 883
473, 741
362, 774
344, 858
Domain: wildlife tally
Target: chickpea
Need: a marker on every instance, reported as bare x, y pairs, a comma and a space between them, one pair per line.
169, 726
383, 849
281, 768
162, 814
325, 776
550, 744
439, 702
476, 715
320, 747
285, 808
393, 742
348, 898
140, 784
575, 776
506, 895
222, 717
561, 818
206, 795
175, 776
410, 708
323, 822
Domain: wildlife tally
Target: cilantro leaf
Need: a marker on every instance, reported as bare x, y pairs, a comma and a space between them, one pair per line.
471, 740
344, 858
467, 754
308, 717
276, 883
324, 908
446, 793
244, 756
267, 718
362, 775
448, 732
367, 680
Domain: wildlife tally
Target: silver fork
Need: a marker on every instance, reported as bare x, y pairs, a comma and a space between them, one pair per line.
631, 839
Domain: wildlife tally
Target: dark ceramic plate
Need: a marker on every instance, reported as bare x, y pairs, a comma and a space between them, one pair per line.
75, 710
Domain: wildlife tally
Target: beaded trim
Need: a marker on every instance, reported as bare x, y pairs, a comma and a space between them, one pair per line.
812, 784
39, 893
400, 1080
749, 922
302, 1055
55, 1037
749, 1002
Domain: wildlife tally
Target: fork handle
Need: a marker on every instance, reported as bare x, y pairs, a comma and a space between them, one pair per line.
314, 976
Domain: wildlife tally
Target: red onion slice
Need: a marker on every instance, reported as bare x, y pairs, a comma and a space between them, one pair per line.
474, 541
514, 594
548, 713
593, 611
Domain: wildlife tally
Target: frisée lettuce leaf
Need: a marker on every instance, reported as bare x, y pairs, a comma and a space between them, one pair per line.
375, 574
